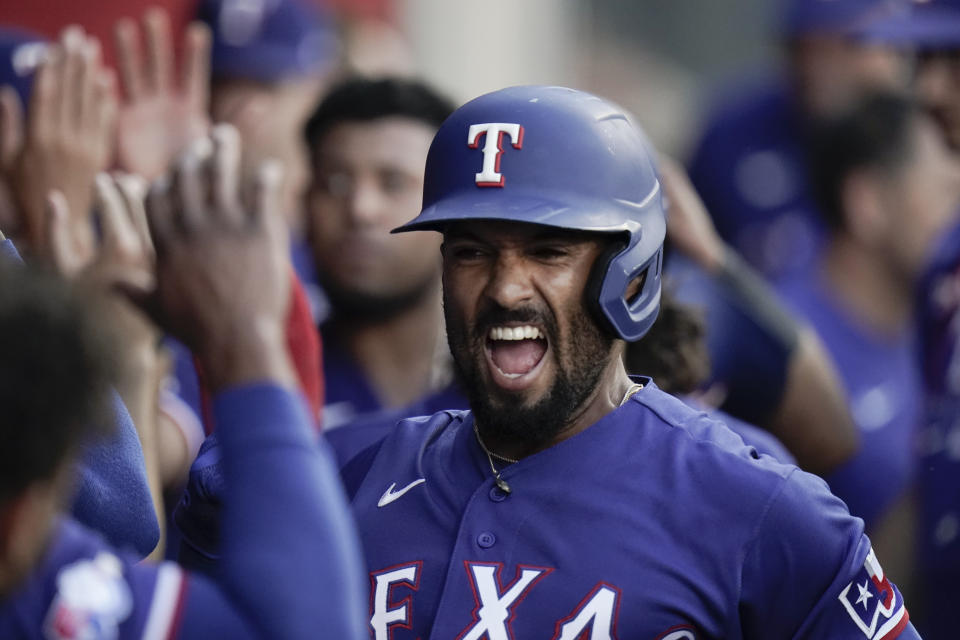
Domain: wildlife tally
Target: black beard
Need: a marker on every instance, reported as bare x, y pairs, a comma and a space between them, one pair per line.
503, 415
348, 304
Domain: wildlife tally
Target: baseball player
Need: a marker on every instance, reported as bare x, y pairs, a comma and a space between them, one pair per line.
748, 164
934, 29
572, 501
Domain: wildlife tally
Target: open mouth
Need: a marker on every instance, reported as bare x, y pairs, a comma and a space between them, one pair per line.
515, 354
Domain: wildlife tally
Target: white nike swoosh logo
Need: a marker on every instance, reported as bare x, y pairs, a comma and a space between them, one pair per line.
390, 495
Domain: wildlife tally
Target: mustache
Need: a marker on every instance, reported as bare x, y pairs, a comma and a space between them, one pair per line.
494, 316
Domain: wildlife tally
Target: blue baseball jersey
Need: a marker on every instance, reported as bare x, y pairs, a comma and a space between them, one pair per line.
749, 168
653, 523
882, 381
84, 590
939, 467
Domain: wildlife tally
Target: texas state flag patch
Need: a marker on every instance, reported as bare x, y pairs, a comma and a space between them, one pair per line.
874, 603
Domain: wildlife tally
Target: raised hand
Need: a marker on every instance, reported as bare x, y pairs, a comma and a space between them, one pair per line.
124, 258
65, 140
160, 115
223, 281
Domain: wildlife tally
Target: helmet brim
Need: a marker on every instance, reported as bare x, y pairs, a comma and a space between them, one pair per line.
565, 211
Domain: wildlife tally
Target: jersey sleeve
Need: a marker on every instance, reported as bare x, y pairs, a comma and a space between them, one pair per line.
810, 573
290, 556
169, 603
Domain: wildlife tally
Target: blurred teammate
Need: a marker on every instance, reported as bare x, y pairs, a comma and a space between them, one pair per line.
571, 497
935, 32
271, 61
383, 340
222, 287
887, 187
749, 164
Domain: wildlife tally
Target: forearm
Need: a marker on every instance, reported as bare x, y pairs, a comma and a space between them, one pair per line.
813, 418
286, 522
810, 416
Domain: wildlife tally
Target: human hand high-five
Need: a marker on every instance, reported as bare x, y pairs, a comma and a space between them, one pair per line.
223, 278
64, 141
160, 115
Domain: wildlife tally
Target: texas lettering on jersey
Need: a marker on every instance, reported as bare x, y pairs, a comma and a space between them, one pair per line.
874, 605
496, 603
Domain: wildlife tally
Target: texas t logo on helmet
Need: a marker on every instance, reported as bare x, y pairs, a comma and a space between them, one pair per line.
493, 149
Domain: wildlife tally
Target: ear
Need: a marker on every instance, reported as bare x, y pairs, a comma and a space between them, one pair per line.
862, 198
635, 287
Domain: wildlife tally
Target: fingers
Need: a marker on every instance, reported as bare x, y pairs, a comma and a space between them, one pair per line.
133, 189
72, 74
225, 172
190, 186
159, 212
89, 98
267, 195
116, 227
11, 127
195, 75
127, 41
45, 97
105, 105
203, 192
156, 26
59, 236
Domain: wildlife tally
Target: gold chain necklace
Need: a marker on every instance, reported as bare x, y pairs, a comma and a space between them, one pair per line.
501, 483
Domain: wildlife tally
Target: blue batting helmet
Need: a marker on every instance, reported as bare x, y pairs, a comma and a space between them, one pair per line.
560, 158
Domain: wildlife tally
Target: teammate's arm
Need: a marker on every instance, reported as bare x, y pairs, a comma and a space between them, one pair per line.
809, 414
290, 565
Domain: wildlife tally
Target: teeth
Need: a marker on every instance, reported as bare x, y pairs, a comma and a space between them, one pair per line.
525, 332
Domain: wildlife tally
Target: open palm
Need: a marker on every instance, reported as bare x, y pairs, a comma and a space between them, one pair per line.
160, 114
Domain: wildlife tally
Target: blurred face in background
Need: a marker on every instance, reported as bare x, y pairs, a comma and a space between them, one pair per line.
938, 88
918, 201
270, 119
829, 71
367, 180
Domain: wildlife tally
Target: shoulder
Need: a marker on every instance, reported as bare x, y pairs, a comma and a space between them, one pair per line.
698, 432
704, 461
751, 103
401, 442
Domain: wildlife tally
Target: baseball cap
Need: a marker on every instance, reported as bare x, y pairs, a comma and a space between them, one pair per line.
21, 52
929, 25
870, 20
268, 40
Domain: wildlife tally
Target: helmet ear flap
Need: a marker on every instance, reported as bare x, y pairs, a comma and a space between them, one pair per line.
623, 313
594, 288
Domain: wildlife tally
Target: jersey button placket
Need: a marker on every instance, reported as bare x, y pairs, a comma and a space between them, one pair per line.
486, 540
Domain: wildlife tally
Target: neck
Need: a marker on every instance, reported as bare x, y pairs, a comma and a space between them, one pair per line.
866, 286
607, 396
399, 355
